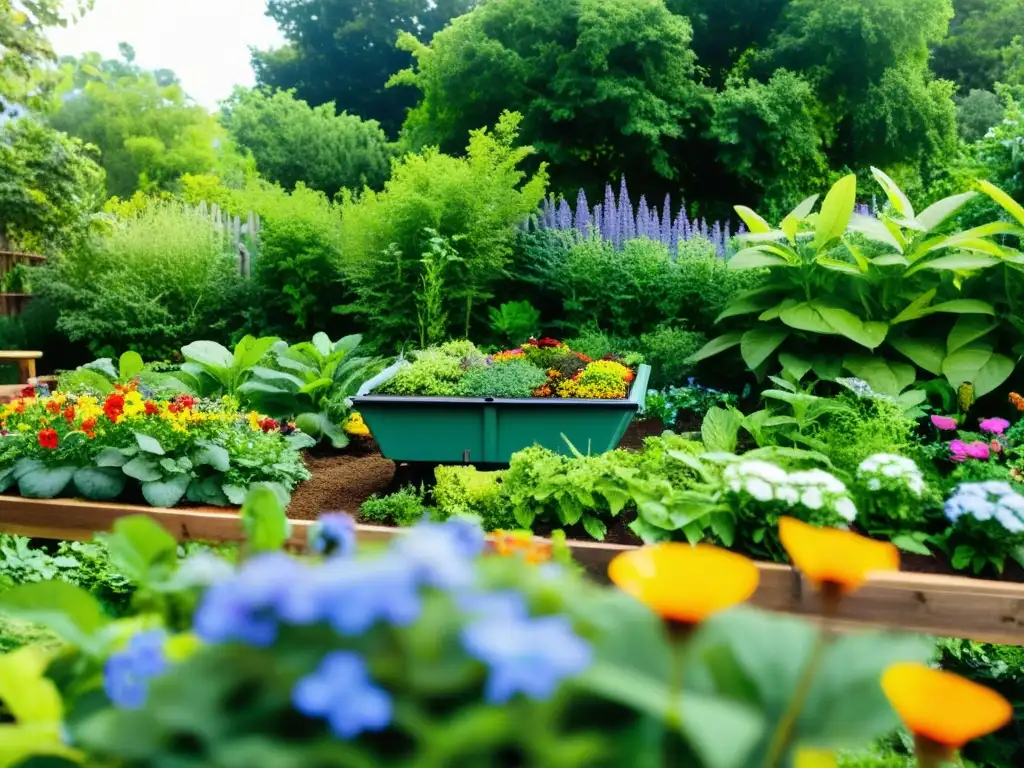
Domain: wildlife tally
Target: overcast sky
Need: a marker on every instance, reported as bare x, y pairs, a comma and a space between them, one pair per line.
206, 42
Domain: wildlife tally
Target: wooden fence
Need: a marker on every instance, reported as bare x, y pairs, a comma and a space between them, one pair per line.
243, 235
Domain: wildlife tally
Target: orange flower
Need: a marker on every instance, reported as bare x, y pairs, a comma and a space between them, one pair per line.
684, 583
532, 549
1017, 401
941, 707
831, 557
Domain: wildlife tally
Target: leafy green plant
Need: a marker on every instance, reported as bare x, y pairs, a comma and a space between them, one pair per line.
434, 372
510, 379
850, 291
431, 315
100, 376
310, 382
468, 491
515, 321
403, 507
218, 370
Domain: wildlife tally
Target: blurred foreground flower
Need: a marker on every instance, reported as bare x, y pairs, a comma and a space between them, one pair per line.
126, 675
341, 691
682, 583
532, 548
835, 560
944, 711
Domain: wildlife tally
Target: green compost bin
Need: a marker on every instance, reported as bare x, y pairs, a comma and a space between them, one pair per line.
486, 430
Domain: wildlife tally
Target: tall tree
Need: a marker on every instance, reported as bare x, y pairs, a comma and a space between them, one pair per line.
973, 54
148, 131
604, 86
293, 142
344, 51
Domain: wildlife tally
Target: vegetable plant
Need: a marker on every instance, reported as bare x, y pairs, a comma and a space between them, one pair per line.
218, 370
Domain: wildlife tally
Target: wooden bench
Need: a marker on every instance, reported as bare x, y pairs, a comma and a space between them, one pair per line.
25, 359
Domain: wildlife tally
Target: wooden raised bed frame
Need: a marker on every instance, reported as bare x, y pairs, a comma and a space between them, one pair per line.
948, 606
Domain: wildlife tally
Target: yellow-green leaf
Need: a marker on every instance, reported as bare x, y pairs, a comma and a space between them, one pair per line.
836, 211
754, 222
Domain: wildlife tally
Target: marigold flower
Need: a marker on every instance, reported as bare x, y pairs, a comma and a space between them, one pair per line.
69, 414
268, 424
185, 401
831, 557
48, 438
942, 707
152, 408
684, 583
28, 392
532, 549
89, 424
113, 406
53, 406
1017, 401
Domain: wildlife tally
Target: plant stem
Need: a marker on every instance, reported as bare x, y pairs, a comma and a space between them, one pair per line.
787, 725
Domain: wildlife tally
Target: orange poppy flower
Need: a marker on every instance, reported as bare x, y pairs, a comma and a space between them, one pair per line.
684, 583
532, 549
1017, 401
829, 556
941, 707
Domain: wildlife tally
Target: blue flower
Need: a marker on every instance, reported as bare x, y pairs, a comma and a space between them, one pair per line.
333, 534
442, 554
126, 675
245, 607
505, 604
524, 655
355, 595
341, 691
992, 500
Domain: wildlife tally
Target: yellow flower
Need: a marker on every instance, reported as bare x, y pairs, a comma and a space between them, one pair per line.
829, 556
942, 707
354, 425
23, 427
684, 583
134, 405
254, 421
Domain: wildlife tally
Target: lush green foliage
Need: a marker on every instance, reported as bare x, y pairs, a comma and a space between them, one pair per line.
973, 55
466, 491
515, 378
343, 52
473, 203
616, 75
403, 507
147, 130
49, 186
293, 142
159, 279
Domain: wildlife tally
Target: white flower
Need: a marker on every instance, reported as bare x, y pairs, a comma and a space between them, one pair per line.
787, 493
893, 470
874, 484
819, 478
763, 469
812, 498
846, 508
916, 484
759, 489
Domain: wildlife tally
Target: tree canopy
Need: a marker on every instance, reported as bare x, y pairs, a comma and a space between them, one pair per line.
147, 129
343, 51
292, 142
973, 55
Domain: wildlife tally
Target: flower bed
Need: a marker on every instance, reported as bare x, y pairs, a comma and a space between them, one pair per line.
128, 444
455, 405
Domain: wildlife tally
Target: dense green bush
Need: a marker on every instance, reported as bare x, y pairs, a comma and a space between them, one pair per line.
160, 279
468, 491
667, 350
864, 427
403, 507
514, 378
471, 203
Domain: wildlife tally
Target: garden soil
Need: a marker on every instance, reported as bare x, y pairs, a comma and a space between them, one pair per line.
340, 483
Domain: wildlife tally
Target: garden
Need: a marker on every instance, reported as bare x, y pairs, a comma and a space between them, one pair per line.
410, 435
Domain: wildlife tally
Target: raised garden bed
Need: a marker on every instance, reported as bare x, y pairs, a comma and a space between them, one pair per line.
952, 606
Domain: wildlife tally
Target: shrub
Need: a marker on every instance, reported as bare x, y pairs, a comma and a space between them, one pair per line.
667, 350
468, 491
702, 285
159, 279
864, 427
474, 203
434, 372
403, 507
515, 378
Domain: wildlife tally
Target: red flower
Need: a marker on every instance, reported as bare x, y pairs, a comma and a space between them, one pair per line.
69, 413
152, 409
48, 438
185, 401
268, 424
174, 408
53, 406
29, 391
584, 358
20, 407
89, 424
113, 406
546, 343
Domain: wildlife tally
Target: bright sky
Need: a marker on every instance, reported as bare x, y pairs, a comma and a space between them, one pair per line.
206, 42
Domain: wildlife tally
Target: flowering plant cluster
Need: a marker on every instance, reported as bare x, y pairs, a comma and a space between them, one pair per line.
892, 500
184, 447
987, 525
539, 368
987, 443
761, 492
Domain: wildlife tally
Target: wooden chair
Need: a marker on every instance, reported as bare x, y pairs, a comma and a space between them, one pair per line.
26, 361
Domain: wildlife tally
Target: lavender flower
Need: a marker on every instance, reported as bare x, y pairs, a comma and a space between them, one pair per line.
342, 691
126, 675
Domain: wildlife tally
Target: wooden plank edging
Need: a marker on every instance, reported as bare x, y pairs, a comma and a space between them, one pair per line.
953, 606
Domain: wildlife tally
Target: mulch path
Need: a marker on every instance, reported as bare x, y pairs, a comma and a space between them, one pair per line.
340, 483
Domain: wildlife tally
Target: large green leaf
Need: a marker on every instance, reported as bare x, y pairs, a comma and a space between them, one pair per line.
264, 519
898, 200
957, 262
720, 429
110, 457
211, 355
165, 493
99, 483
756, 258
45, 482
836, 210
149, 444
143, 469
759, 343
965, 364
141, 549
748, 302
34, 703
886, 377
917, 308
70, 611
964, 307
1010, 205
995, 371
249, 351
283, 379
794, 365
924, 353
715, 346
939, 211
873, 229
804, 316
130, 365
867, 334
968, 328
791, 223
212, 455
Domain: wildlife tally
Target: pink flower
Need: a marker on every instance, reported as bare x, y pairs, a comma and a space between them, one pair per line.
944, 422
977, 450
957, 450
996, 446
994, 426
